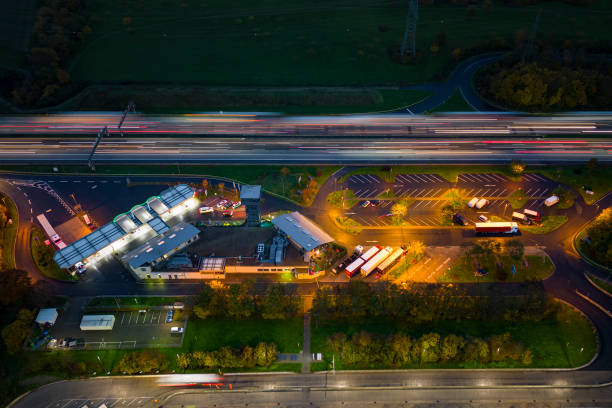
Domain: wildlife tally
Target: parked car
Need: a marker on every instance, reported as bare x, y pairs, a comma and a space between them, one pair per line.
170, 316
483, 218
472, 202
550, 201
481, 203
458, 219
365, 204
176, 330
237, 204
374, 203
204, 210
221, 203
228, 213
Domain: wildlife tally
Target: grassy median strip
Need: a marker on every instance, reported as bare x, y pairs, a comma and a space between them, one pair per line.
518, 199
343, 199
349, 225
602, 284
549, 223
42, 255
8, 231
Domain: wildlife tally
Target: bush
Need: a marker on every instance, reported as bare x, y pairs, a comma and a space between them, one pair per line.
599, 233
147, 361
263, 355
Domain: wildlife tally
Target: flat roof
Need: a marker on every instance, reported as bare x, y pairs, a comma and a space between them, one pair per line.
302, 230
160, 245
248, 192
123, 224
46, 316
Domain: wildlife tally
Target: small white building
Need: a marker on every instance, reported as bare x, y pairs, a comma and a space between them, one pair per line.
97, 322
46, 317
301, 232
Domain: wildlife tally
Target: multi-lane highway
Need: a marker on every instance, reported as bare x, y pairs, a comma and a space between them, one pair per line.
303, 150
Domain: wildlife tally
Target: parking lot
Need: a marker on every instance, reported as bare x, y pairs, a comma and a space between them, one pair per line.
216, 217
426, 193
131, 329
97, 402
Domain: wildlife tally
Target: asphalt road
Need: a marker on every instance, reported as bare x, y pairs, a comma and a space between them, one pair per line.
445, 386
300, 150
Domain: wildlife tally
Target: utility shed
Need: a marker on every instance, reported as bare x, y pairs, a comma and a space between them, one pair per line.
97, 322
302, 232
46, 317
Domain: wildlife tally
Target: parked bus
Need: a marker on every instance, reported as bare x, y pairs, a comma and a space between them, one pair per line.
50, 231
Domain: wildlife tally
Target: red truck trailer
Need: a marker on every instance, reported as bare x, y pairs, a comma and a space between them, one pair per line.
353, 269
496, 227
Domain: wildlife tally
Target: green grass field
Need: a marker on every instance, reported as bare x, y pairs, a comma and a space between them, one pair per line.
456, 103
214, 333
549, 223
463, 269
518, 199
42, 255
295, 43
311, 101
598, 180
565, 339
8, 234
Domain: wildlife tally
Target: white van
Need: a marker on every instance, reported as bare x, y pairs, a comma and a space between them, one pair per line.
176, 330
473, 202
520, 217
550, 201
481, 203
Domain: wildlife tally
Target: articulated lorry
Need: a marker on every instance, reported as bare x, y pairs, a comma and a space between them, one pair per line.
376, 260
496, 228
50, 231
353, 269
389, 263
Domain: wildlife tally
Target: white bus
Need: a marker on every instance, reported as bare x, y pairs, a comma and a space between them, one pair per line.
50, 231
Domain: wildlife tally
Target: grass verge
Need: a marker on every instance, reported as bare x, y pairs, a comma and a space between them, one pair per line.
348, 225
597, 179
564, 339
518, 199
498, 269
214, 333
8, 233
603, 285
42, 255
549, 224
296, 183
134, 302
343, 199
449, 172
456, 103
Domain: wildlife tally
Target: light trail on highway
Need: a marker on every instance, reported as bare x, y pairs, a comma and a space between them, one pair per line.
301, 150
274, 125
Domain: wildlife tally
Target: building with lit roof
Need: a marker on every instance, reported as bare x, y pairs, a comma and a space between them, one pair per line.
144, 219
143, 260
301, 232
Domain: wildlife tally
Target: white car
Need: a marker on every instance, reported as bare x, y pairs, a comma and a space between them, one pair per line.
221, 203
238, 204
204, 210
176, 330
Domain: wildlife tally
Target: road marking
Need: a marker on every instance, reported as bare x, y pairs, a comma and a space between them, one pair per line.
503, 192
94, 187
493, 193
527, 192
371, 241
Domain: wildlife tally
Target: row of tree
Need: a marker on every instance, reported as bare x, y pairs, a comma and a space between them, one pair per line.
241, 301
59, 30
262, 355
398, 350
599, 238
143, 362
418, 303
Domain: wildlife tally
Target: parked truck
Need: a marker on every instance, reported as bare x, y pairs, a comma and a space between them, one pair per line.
520, 217
534, 215
353, 268
496, 228
481, 203
389, 263
376, 260
50, 231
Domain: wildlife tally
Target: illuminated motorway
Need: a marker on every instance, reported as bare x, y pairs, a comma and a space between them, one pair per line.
301, 150
267, 125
